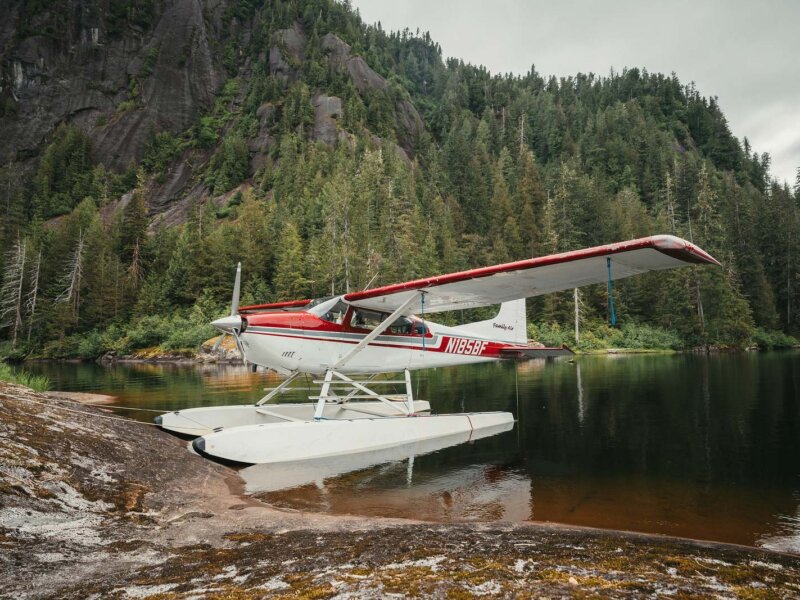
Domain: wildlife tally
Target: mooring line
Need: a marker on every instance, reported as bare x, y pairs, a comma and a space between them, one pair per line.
100, 405
88, 414
125, 407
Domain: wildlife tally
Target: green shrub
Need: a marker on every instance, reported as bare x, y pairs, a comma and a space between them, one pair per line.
641, 336
550, 334
89, 345
204, 133
774, 339
187, 335
13, 353
147, 332
161, 150
600, 336
149, 62
126, 105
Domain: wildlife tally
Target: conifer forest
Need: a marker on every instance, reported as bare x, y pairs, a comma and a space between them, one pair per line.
329, 155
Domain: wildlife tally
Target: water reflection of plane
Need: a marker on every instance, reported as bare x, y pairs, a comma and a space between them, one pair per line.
281, 476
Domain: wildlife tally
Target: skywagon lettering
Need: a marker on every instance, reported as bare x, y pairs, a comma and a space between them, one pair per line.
465, 346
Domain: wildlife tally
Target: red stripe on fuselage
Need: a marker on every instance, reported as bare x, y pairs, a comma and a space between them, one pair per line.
449, 345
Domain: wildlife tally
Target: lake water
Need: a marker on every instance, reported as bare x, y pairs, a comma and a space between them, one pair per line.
695, 446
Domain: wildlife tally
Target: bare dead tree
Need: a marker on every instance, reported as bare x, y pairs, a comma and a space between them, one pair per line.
135, 269
11, 296
72, 279
33, 292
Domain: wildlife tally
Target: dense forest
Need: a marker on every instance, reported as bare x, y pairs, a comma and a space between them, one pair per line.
336, 155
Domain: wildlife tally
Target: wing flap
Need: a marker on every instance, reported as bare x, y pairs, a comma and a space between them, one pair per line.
536, 276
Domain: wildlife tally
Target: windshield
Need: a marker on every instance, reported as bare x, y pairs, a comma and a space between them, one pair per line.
335, 314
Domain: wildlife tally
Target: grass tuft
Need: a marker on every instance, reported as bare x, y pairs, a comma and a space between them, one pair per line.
38, 383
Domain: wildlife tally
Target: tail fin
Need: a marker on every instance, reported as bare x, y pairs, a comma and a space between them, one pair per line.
510, 324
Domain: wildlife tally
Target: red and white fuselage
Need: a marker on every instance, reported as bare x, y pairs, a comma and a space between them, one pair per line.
306, 341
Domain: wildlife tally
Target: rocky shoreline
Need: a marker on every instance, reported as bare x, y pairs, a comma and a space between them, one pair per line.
92, 506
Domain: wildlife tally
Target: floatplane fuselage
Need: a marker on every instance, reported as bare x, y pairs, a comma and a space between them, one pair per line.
318, 338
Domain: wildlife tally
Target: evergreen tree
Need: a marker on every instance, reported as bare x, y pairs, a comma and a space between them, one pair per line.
290, 280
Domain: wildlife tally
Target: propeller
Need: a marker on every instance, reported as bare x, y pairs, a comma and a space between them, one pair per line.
232, 324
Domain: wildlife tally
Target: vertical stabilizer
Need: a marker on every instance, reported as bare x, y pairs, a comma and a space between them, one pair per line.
510, 324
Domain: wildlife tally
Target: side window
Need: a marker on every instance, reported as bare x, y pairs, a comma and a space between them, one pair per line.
403, 325
366, 319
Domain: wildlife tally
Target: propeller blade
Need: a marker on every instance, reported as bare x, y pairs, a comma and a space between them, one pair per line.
236, 286
218, 343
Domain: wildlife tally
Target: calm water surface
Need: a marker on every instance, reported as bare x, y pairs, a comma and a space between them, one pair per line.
703, 447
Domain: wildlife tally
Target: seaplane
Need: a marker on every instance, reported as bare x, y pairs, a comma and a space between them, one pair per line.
344, 343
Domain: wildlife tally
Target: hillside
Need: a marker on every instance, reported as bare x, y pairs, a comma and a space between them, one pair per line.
149, 145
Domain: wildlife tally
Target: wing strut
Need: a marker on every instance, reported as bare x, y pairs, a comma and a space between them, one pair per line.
610, 294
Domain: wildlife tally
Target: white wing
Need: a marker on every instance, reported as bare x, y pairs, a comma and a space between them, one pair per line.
535, 276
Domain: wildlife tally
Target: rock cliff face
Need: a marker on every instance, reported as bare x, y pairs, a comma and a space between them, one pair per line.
124, 70
286, 53
116, 81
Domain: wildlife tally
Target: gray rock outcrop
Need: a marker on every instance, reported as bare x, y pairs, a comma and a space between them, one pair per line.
327, 109
286, 53
116, 88
362, 75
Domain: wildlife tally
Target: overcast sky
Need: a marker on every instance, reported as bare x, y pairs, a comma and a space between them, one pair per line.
747, 53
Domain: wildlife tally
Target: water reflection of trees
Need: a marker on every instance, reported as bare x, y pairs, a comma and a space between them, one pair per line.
721, 418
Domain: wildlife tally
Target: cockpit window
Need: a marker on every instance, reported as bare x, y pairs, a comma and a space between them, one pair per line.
366, 319
336, 313
370, 319
403, 325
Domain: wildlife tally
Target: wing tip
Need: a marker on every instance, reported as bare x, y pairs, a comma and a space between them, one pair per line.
680, 248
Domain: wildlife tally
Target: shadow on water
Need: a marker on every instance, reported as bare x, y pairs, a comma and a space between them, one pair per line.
696, 446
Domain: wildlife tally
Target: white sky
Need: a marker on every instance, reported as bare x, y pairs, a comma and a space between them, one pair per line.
745, 52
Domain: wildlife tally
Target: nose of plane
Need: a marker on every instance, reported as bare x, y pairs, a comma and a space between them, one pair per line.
228, 324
